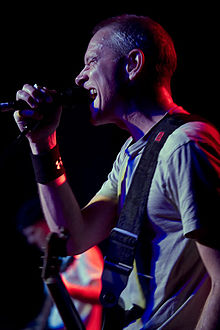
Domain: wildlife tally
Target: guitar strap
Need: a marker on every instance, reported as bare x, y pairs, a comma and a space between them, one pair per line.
124, 237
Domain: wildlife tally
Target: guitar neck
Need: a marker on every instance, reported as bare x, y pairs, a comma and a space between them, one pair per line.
56, 246
64, 303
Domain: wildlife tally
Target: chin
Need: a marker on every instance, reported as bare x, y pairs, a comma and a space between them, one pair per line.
97, 121
100, 116
96, 115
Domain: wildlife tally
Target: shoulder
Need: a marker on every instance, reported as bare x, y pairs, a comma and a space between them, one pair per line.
195, 134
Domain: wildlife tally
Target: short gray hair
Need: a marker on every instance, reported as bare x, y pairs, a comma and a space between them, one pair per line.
131, 31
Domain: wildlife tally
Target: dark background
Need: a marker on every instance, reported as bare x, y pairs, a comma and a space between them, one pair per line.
44, 42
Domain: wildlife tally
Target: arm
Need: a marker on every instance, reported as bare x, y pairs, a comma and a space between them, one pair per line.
210, 316
83, 277
87, 227
88, 294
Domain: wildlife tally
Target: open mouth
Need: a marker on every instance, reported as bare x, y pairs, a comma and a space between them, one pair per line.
92, 94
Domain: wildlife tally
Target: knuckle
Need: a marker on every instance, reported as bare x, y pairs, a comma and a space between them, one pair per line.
16, 115
26, 86
21, 95
37, 94
18, 95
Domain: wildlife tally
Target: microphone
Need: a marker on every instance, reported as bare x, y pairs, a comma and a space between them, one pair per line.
69, 97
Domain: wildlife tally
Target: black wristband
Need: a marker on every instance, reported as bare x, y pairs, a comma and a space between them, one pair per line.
48, 166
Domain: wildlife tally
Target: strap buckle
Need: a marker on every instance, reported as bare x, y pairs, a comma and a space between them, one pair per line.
114, 281
117, 266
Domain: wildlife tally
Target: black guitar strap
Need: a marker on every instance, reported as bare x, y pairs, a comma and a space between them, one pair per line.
124, 237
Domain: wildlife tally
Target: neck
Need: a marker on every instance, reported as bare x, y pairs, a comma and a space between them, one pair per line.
142, 115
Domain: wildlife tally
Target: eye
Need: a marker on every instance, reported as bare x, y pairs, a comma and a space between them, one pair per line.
93, 60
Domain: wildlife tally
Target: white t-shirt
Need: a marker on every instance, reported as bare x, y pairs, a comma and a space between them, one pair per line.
169, 280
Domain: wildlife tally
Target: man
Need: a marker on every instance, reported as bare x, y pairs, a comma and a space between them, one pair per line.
129, 63
81, 276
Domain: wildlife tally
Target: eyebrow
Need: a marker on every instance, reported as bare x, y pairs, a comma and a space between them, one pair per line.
94, 52
90, 57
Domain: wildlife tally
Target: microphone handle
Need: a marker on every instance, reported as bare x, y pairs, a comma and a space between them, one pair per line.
13, 105
69, 96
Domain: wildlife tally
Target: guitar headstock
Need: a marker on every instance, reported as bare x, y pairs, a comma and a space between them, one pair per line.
54, 251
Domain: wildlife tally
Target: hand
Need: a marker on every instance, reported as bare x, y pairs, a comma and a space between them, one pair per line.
42, 109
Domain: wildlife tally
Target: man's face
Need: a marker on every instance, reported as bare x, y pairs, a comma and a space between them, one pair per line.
37, 234
101, 77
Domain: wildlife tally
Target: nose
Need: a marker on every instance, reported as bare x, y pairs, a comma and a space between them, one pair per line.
81, 78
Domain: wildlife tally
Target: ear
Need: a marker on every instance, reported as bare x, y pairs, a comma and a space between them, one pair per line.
135, 63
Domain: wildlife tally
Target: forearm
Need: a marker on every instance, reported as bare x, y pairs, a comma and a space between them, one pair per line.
88, 294
210, 317
59, 205
57, 199
85, 294
86, 227
62, 210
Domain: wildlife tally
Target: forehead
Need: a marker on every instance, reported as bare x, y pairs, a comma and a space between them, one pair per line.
98, 43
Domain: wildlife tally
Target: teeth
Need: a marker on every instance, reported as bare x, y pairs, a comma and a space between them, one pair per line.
93, 93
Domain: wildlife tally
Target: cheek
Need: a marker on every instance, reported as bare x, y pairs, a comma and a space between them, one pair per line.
106, 84
104, 75
107, 88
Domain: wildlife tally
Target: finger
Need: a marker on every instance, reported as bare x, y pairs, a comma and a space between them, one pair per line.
36, 92
48, 93
27, 114
25, 96
29, 88
33, 95
30, 114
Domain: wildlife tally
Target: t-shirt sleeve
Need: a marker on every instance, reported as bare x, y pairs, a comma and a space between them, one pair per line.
193, 182
110, 186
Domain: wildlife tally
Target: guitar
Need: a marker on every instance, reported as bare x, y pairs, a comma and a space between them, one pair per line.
55, 249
